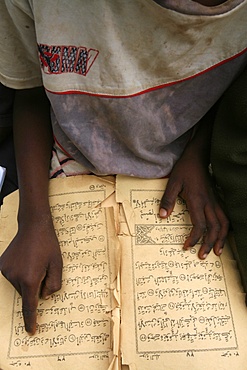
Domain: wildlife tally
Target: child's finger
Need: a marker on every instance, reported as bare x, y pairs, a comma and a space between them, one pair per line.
168, 200
29, 308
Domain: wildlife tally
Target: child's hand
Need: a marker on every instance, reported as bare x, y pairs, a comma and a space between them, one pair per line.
191, 180
33, 265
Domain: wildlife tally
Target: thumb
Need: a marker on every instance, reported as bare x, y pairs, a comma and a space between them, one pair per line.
52, 282
168, 200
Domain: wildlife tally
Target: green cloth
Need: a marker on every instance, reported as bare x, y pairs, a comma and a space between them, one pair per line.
229, 163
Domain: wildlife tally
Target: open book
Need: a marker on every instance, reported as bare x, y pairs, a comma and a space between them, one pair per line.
131, 297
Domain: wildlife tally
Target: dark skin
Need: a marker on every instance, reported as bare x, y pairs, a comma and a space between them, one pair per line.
32, 262
190, 179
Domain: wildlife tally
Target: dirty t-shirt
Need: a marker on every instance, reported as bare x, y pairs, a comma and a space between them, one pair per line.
127, 81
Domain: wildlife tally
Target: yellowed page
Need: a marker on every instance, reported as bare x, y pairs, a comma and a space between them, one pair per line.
76, 325
178, 312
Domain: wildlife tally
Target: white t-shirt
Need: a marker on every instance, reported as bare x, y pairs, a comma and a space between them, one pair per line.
127, 80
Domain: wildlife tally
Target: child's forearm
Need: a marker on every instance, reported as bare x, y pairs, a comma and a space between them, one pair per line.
33, 143
199, 146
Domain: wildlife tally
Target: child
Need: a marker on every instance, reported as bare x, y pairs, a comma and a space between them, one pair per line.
127, 83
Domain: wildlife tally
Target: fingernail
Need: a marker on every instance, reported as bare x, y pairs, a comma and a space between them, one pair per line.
163, 212
204, 256
220, 251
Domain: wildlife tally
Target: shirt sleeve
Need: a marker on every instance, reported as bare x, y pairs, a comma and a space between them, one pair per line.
19, 63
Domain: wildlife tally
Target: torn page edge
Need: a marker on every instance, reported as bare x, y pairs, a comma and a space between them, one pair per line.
115, 317
129, 217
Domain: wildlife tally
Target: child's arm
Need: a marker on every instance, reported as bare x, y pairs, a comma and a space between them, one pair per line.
32, 262
191, 180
